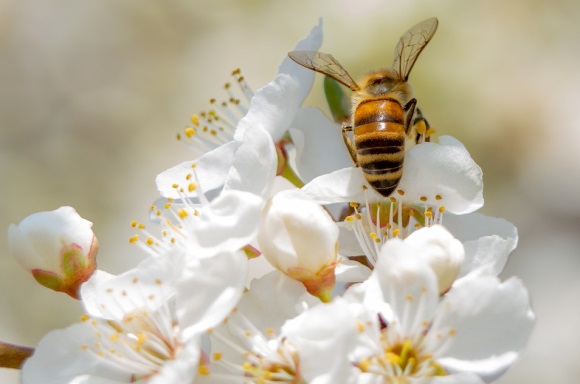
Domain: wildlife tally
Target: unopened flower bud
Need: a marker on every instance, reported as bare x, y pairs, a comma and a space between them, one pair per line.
299, 238
444, 253
58, 247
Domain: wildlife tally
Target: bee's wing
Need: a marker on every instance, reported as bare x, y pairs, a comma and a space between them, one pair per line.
324, 63
410, 46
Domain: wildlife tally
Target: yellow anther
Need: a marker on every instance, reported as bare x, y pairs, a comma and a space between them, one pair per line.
393, 199
195, 120
203, 370
85, 317
212, 101
358, 216
174, 185
141, 226
236, 71
217, 356
373, 235
409, 298
189, 132
178, 136
452, 332
188, 176
150, 241
227, 86
241, 79
400, 192
191, 187
360, 326
167, 205
396, 232
134, 239
114, 337
442, 209
438, 197
364, 187
134, 223
141, 338
270, 331
193, 165
349, 219
213, 132
423, 198
429, 214
353, 205
183, 213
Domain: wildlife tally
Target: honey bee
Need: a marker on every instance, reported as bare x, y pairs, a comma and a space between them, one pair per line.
383, 110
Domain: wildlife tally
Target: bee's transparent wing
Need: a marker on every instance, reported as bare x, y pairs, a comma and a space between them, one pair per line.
410, 46
324, 63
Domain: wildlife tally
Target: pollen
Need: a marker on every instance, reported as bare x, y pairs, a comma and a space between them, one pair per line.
203, 370
195, 120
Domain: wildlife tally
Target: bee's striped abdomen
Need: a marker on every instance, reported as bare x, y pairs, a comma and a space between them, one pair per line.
379, 139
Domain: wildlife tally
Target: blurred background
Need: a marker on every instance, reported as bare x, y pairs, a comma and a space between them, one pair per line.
93, 93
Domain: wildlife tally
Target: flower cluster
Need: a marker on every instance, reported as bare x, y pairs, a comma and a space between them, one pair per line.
275, 261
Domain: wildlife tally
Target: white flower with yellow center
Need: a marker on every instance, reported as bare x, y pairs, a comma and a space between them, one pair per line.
279, 333
144, 325
408, 335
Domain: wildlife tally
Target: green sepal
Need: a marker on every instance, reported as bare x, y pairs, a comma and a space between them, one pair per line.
47, 279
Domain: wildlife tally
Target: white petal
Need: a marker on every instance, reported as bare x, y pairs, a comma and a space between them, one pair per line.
182, 368
350, 271
147, 286
304, 76
342, 186
324, 336
273, 107
273, 299
319, 145
449, 171
59, 358
491, 322
228, 223
407, 283
255, 162
438, 248
209, 291
211, 170
488, 241
296, 232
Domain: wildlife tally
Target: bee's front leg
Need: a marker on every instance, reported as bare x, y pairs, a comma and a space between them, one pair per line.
348, 142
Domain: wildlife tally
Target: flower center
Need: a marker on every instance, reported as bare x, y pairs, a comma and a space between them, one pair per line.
280, 366
402, 360
376, 222
140, 344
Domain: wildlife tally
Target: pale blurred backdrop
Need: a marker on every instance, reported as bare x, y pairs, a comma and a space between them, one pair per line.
92, 94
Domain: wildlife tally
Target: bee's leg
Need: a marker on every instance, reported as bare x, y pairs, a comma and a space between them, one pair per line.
348, 142
409, 108
420, 127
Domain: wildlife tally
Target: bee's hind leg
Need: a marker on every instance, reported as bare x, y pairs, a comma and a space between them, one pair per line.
348, 142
